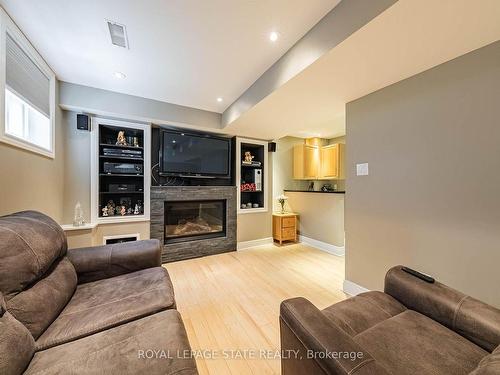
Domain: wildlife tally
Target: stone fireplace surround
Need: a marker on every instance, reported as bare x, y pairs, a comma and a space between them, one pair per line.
196, 248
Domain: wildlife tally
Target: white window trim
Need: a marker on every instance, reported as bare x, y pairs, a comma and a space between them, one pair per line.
8, 26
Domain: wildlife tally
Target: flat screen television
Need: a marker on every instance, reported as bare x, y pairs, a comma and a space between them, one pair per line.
194, 155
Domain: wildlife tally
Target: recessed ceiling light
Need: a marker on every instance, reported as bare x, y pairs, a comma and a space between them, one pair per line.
119, 75
219, 100
273, 36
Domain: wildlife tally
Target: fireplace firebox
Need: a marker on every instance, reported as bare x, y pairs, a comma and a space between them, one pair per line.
194, 220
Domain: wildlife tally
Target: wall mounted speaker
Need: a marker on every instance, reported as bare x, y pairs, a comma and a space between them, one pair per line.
271, 147
83, 122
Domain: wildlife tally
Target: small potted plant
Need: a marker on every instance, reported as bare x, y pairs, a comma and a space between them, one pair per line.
282, 199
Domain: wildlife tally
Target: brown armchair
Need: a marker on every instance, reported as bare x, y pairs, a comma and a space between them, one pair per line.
89, 310
414, 327
102, 262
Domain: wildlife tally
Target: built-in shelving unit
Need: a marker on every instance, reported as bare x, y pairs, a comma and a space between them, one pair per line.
120, 171
252, 179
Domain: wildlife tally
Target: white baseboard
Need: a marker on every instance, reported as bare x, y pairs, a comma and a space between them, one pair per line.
320, 245
253, 243
353, 289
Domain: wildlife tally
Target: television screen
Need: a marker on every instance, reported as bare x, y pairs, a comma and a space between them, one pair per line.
192, 154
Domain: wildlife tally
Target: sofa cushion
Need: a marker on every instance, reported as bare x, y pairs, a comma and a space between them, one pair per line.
411, 343
125, 349
16, 343
489, 365
357, 314
29, 243
103, 304
38, 306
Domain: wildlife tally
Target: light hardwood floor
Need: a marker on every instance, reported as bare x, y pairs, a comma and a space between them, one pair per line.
231, 301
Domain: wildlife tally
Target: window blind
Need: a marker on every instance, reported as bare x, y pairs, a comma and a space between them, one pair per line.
25, 78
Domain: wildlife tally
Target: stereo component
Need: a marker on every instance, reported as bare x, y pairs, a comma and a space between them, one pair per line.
107, 151
257, 179
119, 188
123, 168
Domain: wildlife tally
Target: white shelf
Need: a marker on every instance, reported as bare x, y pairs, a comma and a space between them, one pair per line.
252, 210
71, 227
121, 219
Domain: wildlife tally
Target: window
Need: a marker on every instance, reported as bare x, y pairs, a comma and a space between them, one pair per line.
25, 122
28, 99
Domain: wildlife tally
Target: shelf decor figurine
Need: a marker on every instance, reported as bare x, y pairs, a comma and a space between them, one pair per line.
282, 199
121, 140
78, 219
111, 208
136, 210
248, 158
105, 211
123, 211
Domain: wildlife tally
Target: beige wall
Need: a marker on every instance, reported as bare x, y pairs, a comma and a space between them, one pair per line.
431, 200
29, 181
283, 168
321, 216
255, 226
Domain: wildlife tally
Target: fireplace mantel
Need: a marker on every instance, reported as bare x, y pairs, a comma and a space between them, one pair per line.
197, 247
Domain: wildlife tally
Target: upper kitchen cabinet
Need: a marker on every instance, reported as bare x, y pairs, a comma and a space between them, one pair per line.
332, 162
312, 162
306, 162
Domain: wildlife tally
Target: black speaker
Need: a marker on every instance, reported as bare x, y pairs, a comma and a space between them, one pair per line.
83, 122
271, 147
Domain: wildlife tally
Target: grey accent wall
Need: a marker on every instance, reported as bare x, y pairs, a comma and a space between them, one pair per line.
431, 200
343, 20
113, 104
76, 168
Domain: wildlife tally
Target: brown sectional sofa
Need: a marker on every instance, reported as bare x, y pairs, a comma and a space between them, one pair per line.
414, 327
100, 310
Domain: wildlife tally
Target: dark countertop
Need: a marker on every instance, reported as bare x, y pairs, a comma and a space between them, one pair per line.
315, 191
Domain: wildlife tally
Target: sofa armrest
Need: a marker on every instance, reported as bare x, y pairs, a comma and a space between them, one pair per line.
473, 319
312, 344
101, 262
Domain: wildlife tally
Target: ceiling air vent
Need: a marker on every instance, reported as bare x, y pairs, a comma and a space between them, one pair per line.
118, 34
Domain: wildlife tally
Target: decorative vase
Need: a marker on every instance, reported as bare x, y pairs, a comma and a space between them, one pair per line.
282, 200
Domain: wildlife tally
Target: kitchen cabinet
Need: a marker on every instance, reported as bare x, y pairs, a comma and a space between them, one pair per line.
306, 162
332, 161
319, 162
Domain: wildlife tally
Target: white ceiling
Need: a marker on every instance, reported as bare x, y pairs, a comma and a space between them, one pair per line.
409, 37
187, 52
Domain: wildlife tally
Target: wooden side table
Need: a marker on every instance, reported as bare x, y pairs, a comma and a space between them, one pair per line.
285, 227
